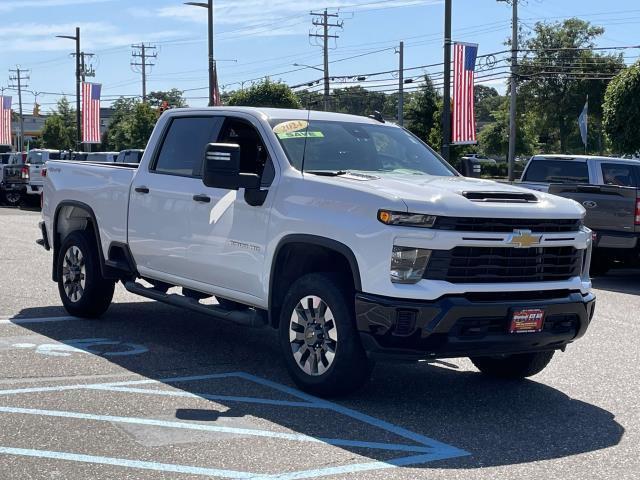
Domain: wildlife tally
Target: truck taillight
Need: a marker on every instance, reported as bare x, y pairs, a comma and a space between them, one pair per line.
637, 211
43, 171
24, 173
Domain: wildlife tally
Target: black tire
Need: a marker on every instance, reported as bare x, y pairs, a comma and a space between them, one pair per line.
599, 266
94, 298
514, 366
231, 305
349, 367
11, 199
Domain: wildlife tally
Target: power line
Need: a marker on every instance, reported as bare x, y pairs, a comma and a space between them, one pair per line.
322, 21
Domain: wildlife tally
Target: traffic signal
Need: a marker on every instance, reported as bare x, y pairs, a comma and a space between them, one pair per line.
36, 110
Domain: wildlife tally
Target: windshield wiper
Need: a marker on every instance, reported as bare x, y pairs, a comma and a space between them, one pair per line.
327, 173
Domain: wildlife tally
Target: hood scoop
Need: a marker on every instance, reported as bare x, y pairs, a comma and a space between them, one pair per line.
501, 197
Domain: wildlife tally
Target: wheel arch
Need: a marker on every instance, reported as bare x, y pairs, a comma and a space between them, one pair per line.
321, 254
80, 217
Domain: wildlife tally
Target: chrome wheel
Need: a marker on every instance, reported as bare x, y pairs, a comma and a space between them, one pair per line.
74, 274
313, 335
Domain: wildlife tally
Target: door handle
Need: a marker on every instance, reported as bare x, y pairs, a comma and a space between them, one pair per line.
202, 198
142, 189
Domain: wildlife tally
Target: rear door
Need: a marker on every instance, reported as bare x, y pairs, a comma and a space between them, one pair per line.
162, 200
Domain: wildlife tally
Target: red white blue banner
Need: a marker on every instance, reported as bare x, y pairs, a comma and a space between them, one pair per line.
91, 112
5, 120
463, 131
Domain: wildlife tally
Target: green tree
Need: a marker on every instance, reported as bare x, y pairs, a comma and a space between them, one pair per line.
423, 111
266, 94
622, 110
131, 125
173, 97
59, 130
557, 73
494, 138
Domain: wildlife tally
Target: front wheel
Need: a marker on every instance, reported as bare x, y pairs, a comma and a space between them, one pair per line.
514, 366
318, 336
83, 289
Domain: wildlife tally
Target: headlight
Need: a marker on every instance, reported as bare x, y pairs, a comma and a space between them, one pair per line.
406, 219
408, 264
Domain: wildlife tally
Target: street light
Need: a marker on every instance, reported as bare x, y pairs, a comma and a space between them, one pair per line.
307, 66
209, 6
76, 39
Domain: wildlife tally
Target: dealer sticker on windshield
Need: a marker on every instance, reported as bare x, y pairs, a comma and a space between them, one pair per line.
529, 320
300, 135
290, 126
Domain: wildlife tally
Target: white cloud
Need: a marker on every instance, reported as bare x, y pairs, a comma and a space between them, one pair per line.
8, 5
257, 14
95, 35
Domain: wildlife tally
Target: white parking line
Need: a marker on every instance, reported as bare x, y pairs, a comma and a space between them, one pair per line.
5, 320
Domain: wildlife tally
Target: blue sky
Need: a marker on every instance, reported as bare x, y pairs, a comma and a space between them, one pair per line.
266, 37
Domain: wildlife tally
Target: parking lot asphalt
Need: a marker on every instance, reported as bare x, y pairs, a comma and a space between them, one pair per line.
153, 392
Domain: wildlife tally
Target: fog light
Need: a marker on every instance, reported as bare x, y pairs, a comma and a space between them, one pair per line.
408, 264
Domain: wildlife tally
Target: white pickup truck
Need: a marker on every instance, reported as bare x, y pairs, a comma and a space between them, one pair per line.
349, 235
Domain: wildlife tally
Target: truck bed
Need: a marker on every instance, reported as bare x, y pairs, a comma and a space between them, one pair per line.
102, 186
610, 210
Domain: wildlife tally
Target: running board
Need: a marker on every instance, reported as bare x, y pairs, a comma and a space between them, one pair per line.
248, 318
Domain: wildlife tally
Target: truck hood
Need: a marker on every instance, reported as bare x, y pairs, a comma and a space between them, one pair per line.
447, 196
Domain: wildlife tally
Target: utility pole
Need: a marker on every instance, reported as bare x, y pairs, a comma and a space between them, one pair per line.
19, 77
213, 73
323, 22
76, 38
85, 71
446, 97
142, 52
401, 86
514, 84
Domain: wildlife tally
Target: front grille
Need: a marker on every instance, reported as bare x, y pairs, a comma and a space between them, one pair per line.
502, 265
507, 225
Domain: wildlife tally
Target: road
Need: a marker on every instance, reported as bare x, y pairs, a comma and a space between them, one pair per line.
152, 392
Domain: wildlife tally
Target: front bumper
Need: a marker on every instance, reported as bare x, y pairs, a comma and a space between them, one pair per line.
468, 325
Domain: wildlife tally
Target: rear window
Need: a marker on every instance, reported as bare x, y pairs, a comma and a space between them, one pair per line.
620, 174
557, 171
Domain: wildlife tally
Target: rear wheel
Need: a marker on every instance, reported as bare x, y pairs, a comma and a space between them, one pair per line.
318, 336
83, 290
514, 366
12, 198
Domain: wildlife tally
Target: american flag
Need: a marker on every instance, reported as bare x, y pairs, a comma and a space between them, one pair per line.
91, 112
464, 65
5, 120
215, 101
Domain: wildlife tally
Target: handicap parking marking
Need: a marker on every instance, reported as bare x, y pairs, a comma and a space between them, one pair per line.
10, 320
422, 449
66, 348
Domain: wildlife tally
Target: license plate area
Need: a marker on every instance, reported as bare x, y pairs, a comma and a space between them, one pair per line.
527, 320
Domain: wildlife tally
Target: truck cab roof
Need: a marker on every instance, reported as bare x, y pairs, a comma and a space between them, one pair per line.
283, 114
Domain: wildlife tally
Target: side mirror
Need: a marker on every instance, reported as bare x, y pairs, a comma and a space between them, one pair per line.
222, 168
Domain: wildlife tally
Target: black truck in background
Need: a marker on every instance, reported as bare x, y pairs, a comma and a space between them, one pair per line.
608, 189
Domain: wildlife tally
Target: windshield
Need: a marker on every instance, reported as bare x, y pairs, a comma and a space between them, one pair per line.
345, 146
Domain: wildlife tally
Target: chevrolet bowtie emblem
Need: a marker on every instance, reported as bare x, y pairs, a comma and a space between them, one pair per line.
523, 239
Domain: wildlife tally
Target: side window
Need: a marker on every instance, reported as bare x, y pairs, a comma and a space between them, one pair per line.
619, 174
254, 157
182, 151
557, 171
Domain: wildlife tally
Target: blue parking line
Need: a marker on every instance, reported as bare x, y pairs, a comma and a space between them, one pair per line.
428, 449
218, 429
123, 462
207, 396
